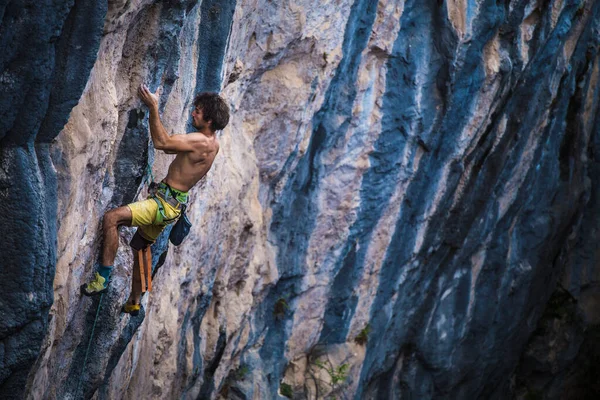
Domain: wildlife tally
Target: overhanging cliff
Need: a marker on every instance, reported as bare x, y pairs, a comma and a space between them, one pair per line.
404, 204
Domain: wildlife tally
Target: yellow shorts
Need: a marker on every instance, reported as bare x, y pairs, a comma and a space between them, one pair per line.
144, 217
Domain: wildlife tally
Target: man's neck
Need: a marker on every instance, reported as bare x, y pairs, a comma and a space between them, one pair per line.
207, 132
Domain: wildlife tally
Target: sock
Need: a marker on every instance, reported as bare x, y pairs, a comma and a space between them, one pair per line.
105, 271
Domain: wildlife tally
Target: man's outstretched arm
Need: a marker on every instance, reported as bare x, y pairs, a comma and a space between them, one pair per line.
160, 137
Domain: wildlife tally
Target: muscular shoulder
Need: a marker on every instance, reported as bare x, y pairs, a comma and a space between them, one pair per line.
194, 142
200, 142
204, 145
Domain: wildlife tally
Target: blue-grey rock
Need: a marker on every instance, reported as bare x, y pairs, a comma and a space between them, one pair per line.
404, 204
47, 51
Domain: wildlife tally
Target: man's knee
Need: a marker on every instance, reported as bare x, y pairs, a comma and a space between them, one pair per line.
110, 219
115, 217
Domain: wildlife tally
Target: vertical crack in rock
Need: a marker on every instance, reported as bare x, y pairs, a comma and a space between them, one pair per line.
215, 28
105, 347
194, 318
208, 384
132, 161
117, 350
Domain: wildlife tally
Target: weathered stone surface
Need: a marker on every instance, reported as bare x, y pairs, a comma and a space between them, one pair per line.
402, 187
47, 50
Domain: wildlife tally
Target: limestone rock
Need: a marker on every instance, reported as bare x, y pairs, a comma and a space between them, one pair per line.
402, 187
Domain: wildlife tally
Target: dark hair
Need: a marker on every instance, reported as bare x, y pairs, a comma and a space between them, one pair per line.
214, 109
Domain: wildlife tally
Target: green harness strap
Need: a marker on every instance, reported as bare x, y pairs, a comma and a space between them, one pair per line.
161, 217
160, 213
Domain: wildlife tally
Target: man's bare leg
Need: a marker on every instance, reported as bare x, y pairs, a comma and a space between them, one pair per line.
110, 224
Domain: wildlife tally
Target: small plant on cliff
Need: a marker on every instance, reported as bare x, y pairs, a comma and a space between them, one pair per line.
286, 390
363, 335
234, 375
241, 372
334, 384
281, 306
336, 374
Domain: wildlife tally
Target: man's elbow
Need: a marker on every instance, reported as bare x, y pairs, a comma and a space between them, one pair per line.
166, 147
160, 145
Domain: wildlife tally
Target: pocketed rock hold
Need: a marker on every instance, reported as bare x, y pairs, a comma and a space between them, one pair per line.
238, 67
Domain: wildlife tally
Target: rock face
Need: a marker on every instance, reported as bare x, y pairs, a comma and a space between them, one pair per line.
48, 50
405, 204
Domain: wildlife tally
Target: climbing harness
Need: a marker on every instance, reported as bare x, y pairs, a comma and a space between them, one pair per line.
161, 217
162, 191
176, 199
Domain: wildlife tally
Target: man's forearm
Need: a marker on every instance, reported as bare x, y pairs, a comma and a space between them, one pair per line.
157, 130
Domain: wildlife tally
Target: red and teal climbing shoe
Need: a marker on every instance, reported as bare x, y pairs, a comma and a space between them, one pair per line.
97, 286
133, 309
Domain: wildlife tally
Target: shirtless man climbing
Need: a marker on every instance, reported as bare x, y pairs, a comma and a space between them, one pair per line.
195, 154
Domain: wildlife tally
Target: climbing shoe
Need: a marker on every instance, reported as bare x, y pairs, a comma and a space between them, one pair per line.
98, 285
133, 309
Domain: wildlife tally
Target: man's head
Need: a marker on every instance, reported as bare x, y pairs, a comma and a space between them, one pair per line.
210, 110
